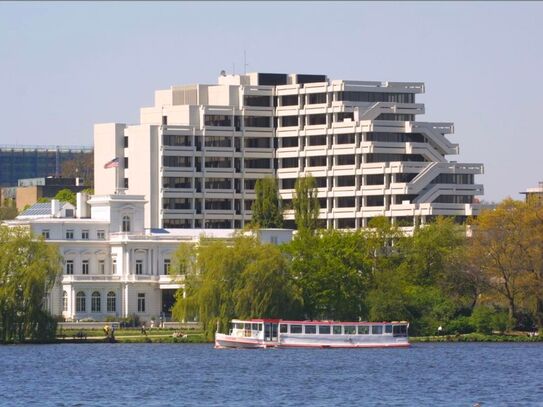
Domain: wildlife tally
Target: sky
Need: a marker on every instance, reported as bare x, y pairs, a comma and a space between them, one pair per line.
66, 66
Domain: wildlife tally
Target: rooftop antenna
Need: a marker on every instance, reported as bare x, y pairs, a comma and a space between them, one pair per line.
245, 64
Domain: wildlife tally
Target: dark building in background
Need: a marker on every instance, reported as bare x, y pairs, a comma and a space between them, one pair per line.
18, 162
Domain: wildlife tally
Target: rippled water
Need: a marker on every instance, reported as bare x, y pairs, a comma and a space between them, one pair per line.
194, 375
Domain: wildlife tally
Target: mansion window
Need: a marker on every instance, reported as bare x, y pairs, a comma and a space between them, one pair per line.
45, 233
80, 302
85, 267
69, 267
111, 302
96, 302
141, 302
139, 267
69, 234
166, 266
64, 301
101, 266
85, 234
126, 223
100, 235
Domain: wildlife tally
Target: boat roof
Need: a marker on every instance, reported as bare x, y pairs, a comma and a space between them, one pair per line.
309, 322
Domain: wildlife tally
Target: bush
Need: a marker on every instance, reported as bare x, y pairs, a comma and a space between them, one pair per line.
460, 325
482, 318
500, 320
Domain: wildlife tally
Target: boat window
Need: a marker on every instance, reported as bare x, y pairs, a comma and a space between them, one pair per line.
248, 327
310, 329
283, 328
388, 329
399, 330
337, 330
295, 329
324, 329
239, 325
363, 329
260, 327
349, 330
255, 327
376, 329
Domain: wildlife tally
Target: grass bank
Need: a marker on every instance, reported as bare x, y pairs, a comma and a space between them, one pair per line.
131, 335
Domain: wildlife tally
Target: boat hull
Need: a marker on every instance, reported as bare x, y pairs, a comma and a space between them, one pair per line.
223, 341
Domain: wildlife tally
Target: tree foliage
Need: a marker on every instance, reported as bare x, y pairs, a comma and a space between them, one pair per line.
243, 279
267, 211
306, 204
486, 277
66, 195
28, 270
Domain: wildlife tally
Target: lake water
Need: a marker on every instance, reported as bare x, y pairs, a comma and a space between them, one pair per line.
459, 374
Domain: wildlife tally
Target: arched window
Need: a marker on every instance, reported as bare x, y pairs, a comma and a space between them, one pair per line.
64, 301
126, 223
95, 302
80, 302
111, 302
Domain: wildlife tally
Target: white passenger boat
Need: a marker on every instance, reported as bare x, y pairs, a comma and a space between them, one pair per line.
276, 333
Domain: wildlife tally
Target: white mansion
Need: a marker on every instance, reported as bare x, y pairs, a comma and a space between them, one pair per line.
112, 265
198, 152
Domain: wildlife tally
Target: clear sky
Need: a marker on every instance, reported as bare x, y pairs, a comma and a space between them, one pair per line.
65, 66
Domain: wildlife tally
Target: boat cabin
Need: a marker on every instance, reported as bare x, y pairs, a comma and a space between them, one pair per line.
269, 330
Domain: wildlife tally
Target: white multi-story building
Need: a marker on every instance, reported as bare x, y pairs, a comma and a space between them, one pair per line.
198, 152
112, 265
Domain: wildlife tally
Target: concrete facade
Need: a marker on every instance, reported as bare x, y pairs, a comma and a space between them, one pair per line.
198, 152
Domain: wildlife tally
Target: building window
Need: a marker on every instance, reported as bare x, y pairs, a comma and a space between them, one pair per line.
316, 98
166, 266
85, 234
257, 121
80, 302
69, 234
111, 302
45, 233
64, 301
289, 121
95, 302
217, 120
100, 235
125, 162
139, 267
259, 101
69, 267
114, 267
141, 302
125, 183
102, 266
125, 141
85, 267
126, 223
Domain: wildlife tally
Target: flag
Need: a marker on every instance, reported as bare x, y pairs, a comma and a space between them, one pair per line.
113, 163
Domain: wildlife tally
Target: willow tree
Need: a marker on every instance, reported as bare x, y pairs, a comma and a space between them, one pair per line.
28, 270
267, 212
306, 204
240, 279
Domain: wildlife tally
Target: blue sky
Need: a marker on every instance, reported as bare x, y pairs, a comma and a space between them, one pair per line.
65, 66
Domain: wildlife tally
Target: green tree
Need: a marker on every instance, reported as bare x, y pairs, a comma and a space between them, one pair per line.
333, 270
28, 270
267, 212
306, 204
8, 210
66, 195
